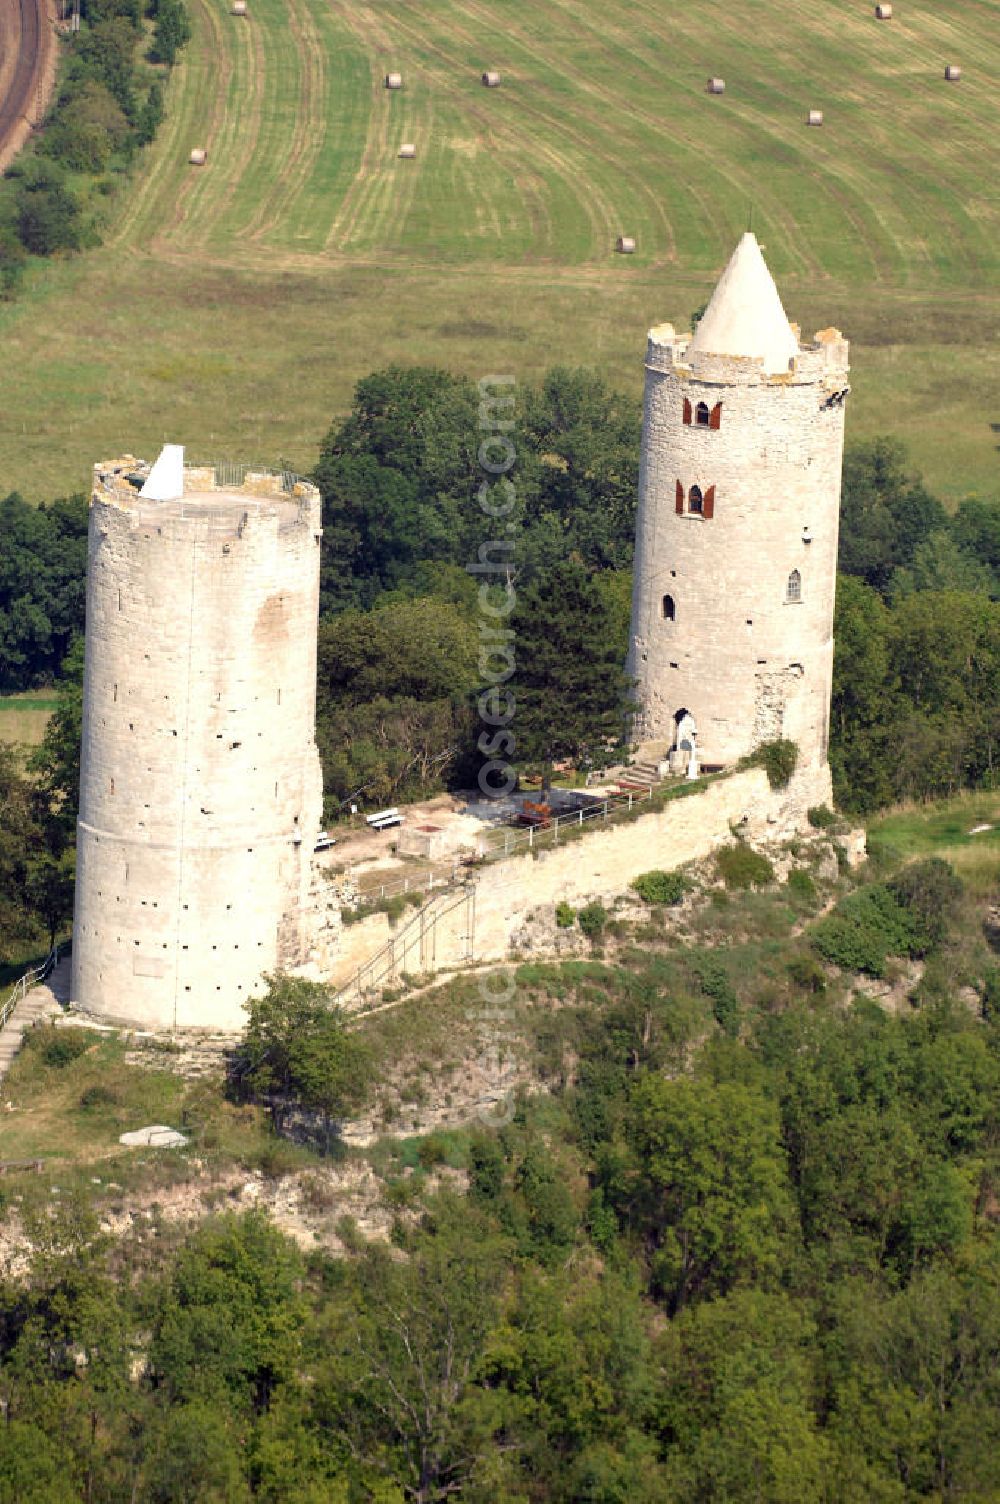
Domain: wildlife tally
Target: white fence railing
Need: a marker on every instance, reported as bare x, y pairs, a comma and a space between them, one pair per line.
24, 984
501, 842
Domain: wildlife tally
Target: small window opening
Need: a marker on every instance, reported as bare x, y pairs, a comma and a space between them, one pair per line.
669, 609
793, 590
696, 502
702, 416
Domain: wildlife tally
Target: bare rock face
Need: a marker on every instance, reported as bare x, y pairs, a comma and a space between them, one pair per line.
155, 1137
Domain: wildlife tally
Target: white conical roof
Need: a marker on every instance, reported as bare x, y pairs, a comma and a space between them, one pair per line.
165, 482
745, 316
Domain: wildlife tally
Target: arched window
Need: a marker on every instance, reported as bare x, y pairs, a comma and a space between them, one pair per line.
702, 416
696, 501
793, 590
669, 609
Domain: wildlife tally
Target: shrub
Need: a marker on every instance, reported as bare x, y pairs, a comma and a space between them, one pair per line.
991, 994
806, 972
777, 758
661, 887
866, 928
740, 866
171, 32
48, 214
60, 1047
565, 915
716, 985
486, 1168
930, 892
801, 885
821, 817
592, 919
100, 1096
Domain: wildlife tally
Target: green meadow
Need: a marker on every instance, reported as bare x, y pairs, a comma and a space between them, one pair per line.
23, 718
232, 307
964, 830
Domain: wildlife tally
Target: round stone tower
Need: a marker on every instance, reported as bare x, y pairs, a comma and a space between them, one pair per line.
200, 790
736, 537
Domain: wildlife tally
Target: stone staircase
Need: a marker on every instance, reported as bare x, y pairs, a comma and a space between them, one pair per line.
41, 1002
641, 774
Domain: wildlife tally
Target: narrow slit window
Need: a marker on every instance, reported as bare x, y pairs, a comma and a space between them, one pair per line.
669, 609
696, 502
702, 416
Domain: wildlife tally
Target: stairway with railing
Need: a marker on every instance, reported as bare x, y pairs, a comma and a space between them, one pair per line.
411, 948
13, 1019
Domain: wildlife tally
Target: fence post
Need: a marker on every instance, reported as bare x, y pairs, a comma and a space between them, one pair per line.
630, 801
531, 833
605, 811
580, 821
555, 831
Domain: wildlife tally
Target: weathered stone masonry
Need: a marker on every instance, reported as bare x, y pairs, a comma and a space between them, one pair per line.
733, 594
201, 790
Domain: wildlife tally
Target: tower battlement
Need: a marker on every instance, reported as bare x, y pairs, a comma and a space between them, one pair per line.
825, 355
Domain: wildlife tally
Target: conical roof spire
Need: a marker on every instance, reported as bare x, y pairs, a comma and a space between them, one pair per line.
165, 481
745, 316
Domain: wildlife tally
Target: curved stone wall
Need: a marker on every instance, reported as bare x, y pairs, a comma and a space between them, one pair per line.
718, 630
201, 792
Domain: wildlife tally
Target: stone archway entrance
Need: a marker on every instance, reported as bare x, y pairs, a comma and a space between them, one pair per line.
685, 731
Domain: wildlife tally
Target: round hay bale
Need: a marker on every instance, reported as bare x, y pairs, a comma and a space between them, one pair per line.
491, 80
394, 80
815, 117
625, 244
883, 12
198, 156
239, 7
953, 73
407, 149
716, 86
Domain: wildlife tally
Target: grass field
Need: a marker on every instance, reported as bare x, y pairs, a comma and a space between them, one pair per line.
23, 718
233, 307
964, 831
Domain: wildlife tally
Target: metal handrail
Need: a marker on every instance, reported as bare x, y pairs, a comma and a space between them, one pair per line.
365, 978
507, 841
24, 984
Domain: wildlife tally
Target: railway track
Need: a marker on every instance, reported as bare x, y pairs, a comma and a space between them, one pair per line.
26, 36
